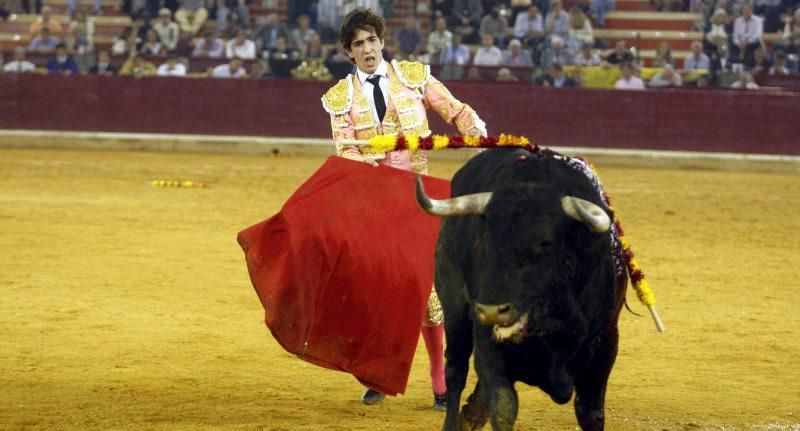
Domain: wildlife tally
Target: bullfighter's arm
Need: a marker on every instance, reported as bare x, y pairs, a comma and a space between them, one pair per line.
343, 129
452, 110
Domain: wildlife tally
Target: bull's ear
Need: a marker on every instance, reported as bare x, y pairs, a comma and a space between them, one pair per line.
587, 213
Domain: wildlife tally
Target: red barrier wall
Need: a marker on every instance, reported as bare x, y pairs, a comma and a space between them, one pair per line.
667, 119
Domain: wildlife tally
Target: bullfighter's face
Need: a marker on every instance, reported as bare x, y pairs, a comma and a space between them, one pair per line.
366, 50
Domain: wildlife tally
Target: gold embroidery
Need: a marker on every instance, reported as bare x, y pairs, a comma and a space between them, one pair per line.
403, 104
337, 99
434, 311
413, 74
409, 119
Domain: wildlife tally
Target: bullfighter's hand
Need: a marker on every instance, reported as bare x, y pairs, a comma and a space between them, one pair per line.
370, 161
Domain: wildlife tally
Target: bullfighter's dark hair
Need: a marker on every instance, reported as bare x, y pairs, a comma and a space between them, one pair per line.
360, 19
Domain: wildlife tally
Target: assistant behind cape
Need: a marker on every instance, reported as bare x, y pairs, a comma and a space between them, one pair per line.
344, 270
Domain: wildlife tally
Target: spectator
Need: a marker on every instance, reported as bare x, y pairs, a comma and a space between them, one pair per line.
760, 62
458, 53
82, 27
601, 8
126, 42
72, 7
556, 53
62, 62
267, 34
237, 8
698, 59
667, 77
747, 32
373, 5
339, 55
191, 15
504, 74
282, 50
791, 33
19, 64
409, 38
168, 30
439, 39
556, 78
620, 54
529, 27
770, 10
745, 81
258, 71
580, 30
515, 56
716, 34
587, 57
629, 81
232, 69
209, 46
329, 18
102, 65
314, 49
45, 21
43, 44
663, 55
556, 23
487, 54
172, 67
495, 24
240, 46
779, 67
137, 67
151, 45
302, 34
466, 18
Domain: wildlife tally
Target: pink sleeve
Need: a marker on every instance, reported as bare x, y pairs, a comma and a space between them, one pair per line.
451, 109
343, 129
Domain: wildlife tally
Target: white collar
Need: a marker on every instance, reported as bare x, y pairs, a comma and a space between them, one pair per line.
382, 70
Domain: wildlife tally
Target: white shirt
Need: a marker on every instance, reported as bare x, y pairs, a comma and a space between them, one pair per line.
525, 24
245, 51
747, 30
224, 71
178, 70
632, 83
367, 87
488, 57
23, 66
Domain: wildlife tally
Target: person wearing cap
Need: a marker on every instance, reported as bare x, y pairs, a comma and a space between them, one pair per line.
168, 30
383, 98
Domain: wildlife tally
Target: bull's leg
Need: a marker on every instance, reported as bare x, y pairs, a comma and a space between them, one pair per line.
498, 389
474, 414
590, 386
458, 331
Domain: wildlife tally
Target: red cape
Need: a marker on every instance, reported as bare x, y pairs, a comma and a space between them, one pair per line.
344, 270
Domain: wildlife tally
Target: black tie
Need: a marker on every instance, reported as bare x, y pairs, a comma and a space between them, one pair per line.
377, 94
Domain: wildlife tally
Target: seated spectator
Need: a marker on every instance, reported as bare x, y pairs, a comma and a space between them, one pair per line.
556, 78
267, 34
137, 66
770, 11
282, 50
409, 39
152, 45
458, 53
232, 11
587, 57
629, 81
791, 33
172, 67
580, 30
168, 30
301, 35
231, 69
515, 56
474, 74
601, 8
495, 24
45, 21
745, 81
102, 65
191, 15
760, 63
703, 81
620, 54
556, 23
779, 67
339, 55
716, 31
82, 27
556, 53
72, 7
487, 54
258, 71
329, 18
698, 59
529, 27
62, 62
19, 64
667, 77
504, 74
663, 55
465, 18
5, 11
747, 32
43, 44
439, 39
314, 49
240, 46
209, 46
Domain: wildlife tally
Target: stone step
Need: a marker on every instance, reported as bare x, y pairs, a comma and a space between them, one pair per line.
651, 20
635, 6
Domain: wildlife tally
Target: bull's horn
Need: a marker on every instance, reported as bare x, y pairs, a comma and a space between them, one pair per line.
587, 213
473, 204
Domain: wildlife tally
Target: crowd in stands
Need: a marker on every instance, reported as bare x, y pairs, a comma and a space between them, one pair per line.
539, 40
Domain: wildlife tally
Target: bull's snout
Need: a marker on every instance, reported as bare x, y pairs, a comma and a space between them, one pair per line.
502, 315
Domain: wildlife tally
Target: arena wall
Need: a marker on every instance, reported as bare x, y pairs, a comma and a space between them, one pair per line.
762, 122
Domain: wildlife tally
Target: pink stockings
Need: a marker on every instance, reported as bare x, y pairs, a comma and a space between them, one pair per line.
434, 343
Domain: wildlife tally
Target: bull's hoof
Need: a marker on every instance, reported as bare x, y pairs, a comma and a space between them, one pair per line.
371, 397
439, 402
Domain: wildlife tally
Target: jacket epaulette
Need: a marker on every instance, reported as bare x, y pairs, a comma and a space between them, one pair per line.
338, 99
412, 74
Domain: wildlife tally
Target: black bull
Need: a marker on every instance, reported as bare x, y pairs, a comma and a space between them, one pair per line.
526, 273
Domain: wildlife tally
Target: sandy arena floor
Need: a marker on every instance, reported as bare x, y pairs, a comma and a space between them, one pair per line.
128, 307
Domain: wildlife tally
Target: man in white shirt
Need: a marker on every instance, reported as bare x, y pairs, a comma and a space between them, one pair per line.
487, 54
240, 46
698, 59
438, 39
20, 64
171, 68
529, 27
232, 69
557, 21
629, 81
747, 32
168, 30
